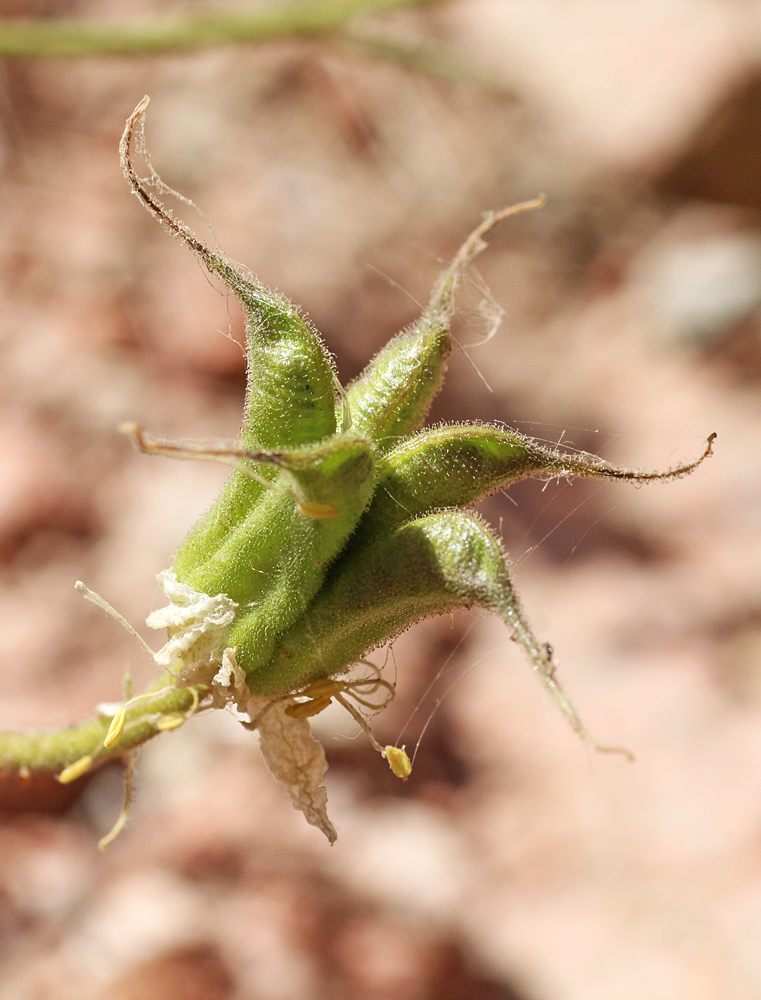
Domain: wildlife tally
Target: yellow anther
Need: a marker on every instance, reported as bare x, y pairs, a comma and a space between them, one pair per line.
398, 761
306, 709
172, 720
116, 729
317, 511
75, 770
321, 688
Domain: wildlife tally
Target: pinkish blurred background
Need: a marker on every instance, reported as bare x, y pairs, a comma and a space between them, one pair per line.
513, 865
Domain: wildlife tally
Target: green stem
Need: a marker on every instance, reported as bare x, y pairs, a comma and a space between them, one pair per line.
22, 38
55, 749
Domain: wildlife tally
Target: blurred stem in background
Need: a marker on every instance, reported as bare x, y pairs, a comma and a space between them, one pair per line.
74, 37
71, 38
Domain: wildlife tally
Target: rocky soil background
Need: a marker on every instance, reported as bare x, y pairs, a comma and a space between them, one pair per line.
513, 865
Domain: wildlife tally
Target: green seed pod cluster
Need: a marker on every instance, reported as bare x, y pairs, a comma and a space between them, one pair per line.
343, 522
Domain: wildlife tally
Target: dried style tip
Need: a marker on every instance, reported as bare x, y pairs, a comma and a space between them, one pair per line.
392, 396
132, 130
442, 299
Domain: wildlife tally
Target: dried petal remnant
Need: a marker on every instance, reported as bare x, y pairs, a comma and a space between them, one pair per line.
296, 759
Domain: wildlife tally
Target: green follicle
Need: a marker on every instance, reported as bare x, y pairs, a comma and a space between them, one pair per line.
392, 396
458, 465
282, 542
291, 396
429, 566
273, 561
426, 567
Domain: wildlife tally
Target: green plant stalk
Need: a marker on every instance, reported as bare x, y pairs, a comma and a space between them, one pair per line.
70, 37
55, 749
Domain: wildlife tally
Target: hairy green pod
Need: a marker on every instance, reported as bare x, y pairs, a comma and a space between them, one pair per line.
291, 385
426, 567
447, 467
390, 399
273, 561
392, 396
280, 589
457, 465
290, 399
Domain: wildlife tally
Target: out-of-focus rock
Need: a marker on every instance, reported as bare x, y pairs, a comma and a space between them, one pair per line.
720, 161
701, 286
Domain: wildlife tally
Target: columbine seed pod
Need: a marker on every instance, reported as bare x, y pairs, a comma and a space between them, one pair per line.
391, 397
292, 389
430, 566
338, 528
269, 541
289, 551
427, 567
457, 465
